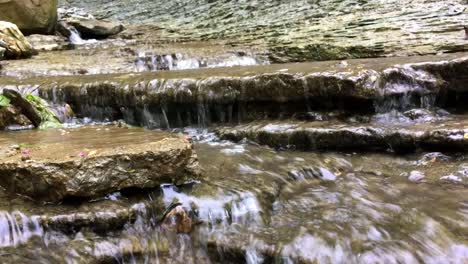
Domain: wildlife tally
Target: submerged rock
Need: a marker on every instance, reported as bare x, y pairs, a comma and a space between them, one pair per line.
86, 165
177, 218
13, 41
31, 16
307, 136
416, 176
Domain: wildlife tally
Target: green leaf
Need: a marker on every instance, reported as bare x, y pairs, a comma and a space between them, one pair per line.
4, 101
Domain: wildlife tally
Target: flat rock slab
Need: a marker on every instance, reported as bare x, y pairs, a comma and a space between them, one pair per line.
92, 161
328, 135
239, 94
349, 29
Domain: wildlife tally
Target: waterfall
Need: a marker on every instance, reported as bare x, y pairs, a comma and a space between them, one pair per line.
16, 228
75, 38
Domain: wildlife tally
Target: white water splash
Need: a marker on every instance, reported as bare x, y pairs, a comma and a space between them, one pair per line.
221, 211
75, 38
17, 228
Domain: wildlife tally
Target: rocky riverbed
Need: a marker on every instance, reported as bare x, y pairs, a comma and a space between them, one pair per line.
233, 132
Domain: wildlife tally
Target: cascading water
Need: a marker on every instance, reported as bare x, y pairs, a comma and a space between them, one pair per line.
149, 61
75, 38
17, 228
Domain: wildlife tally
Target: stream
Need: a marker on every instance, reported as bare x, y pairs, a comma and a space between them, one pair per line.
259, 205
257, 132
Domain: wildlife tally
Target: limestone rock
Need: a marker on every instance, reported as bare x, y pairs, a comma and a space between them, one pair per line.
13, 41
31, 16
96, 29
88, 166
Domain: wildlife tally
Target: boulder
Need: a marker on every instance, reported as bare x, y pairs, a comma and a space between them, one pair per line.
13, 42
91, 162
96, 29
31, 16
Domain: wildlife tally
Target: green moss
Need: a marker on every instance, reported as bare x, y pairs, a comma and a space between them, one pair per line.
49, 119
4, 101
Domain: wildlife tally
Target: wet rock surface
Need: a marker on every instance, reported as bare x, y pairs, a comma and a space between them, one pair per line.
450, 135
95, 29
74, 166
205, 96
298, 30
244, 207
112, 193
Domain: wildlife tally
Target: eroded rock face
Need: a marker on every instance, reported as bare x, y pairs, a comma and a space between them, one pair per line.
86, 164
13, 41
31, 16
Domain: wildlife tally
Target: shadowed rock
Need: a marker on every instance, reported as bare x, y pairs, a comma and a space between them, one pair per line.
24, 106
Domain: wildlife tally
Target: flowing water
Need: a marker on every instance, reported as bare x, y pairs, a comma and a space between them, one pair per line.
254, 204
258, 205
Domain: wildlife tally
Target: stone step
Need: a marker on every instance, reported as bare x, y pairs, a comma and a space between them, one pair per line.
91, 161
449, 135
179, 98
